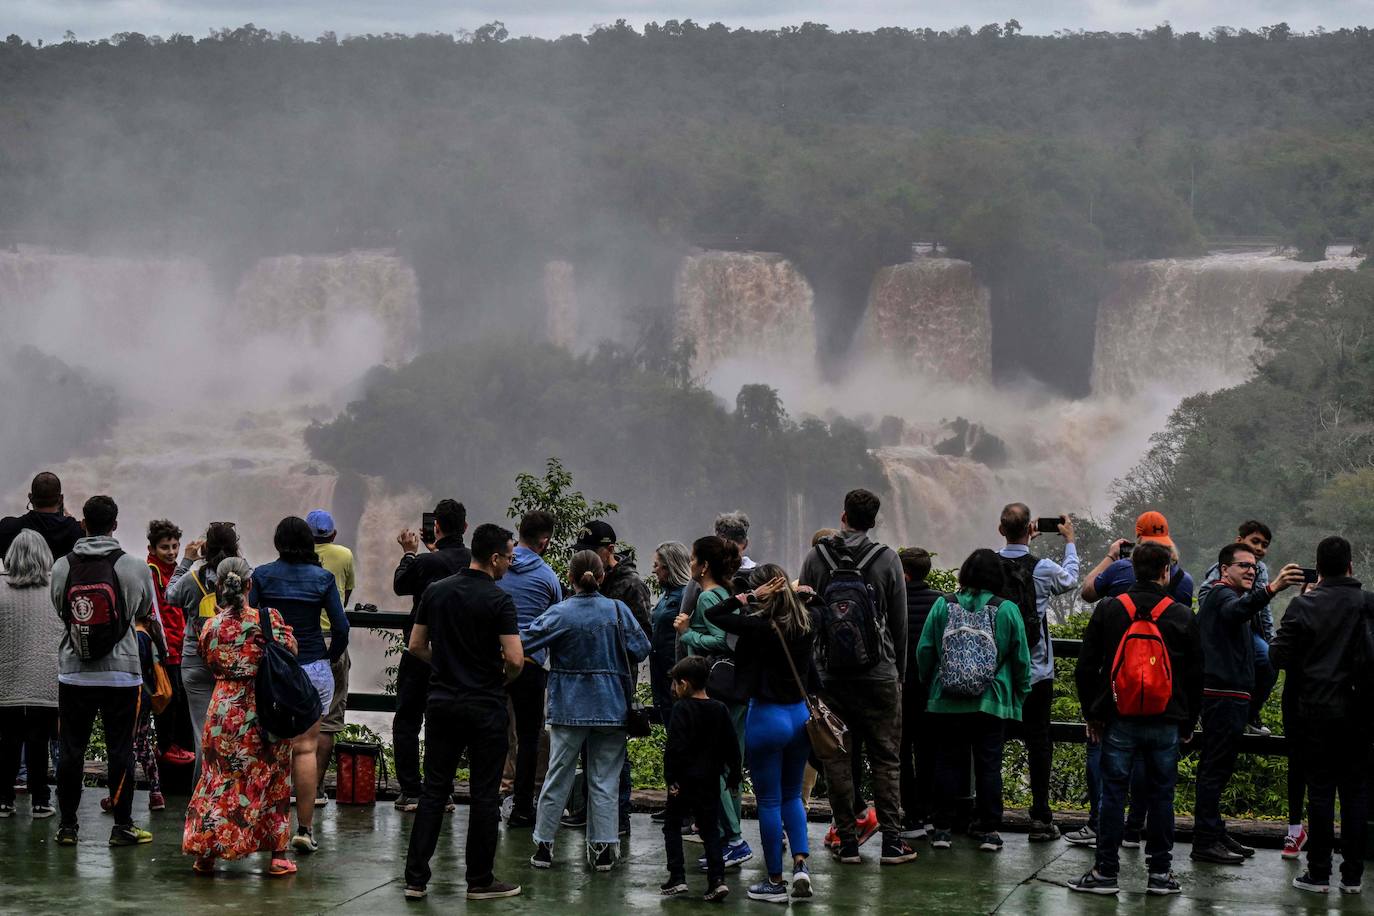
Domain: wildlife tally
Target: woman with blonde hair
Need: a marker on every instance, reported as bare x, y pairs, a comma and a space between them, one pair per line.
241, 804
776, 628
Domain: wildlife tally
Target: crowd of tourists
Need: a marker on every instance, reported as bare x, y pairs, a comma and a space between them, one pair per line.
854, 667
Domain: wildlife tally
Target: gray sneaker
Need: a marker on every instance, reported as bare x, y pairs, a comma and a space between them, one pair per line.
1163, 885
1083, 836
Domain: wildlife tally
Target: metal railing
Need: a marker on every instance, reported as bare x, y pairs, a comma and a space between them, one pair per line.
1061, 732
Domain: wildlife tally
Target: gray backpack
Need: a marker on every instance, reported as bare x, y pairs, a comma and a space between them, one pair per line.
970, 650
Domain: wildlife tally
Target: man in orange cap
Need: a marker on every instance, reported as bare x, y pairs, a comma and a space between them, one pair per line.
1115, 575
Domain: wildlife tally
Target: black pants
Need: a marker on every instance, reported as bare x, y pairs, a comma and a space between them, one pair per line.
1297, 771
702, 803
959, 735
1336, 758
25, 730
453, 726
118, 710
412, 696
1223, 722
527, 697
1034, 731
917, 757
174, 722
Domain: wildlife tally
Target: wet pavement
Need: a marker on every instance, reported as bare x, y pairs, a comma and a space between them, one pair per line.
359, 866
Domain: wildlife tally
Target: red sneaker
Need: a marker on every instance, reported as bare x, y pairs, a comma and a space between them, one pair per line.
832, 838
1293, 845
866, 825
178, 756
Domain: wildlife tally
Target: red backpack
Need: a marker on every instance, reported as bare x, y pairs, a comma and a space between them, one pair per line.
93, 605
1142, 678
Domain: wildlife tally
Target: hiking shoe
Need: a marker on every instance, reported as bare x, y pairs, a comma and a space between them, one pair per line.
416, 892
543, 855
847, 853
1163, 885
914, 832
801, 881
675, 885
1042, 832
1083, 836
574, 819
866, 825
990, 842
769, 892
41, 811
156, 802
304, 841
832, 838
6, 810
66, 835
941, 839
407, 803
896, 851
1217, 853
1237, 846
1305, 882
1350, 888
520, 819
604, 859
129, 835
1131, 839
1293, 845
494, 891
716, 894
1256, 729
1093, 883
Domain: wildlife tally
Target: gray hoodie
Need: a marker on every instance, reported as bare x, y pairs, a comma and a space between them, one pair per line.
121, 667
889, 586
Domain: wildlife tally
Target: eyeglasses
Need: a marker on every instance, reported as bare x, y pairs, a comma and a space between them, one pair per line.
1244, 565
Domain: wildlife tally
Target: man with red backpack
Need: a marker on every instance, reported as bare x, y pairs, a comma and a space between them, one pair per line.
1139, 677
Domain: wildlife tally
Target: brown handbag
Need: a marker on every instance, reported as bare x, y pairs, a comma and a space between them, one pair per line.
825, 729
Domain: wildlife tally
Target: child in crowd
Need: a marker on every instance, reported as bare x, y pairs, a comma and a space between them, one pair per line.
173, 725
701, 748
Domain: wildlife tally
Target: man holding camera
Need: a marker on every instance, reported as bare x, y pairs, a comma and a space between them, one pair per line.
1115, 575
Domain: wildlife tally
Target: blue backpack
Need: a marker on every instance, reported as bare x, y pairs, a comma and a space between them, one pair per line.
970, 650
849, 611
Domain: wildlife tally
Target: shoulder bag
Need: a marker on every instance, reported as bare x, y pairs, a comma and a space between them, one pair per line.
638, 724
824, 728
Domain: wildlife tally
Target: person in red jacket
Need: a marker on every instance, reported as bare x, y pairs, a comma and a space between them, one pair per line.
173, 723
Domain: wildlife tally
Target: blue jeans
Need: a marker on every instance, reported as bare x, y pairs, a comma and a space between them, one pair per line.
605, 757
1126, 743
1135, 816
776, 742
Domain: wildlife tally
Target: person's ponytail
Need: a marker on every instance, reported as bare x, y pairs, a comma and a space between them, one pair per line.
586, 571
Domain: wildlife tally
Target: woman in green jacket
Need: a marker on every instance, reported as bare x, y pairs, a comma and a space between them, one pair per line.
974, 692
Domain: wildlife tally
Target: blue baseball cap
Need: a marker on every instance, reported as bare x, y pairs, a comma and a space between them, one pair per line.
321, 523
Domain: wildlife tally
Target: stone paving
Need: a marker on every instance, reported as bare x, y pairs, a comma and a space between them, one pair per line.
359, 866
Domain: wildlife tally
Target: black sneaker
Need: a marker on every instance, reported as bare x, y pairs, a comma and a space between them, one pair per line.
1217, 853
1355, 888
990, 842
494, 891
716, 894
769, 892
574, 819
407, 803
543, 855
847, 852
66, 835
604, 858
941, 839
896, 851
1131, 840
1163, 885
1042, 832
1237, 846
675, 885
520, 819
129, 835
1305, 882
801, 881
1093, 883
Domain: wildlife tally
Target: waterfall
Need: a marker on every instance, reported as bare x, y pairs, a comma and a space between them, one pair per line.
931, 315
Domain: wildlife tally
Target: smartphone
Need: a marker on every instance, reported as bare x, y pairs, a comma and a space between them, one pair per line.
1309, 575
1048, 525
1126, 549
427, 528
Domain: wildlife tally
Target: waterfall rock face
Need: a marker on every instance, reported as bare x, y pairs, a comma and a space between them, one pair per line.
1187, 325
744, 304
931, 315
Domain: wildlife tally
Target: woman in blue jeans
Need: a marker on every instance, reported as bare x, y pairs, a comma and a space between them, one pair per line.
300, 588
588, 638
772, 622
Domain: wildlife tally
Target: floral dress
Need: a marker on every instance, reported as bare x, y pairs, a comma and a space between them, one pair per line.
242, 803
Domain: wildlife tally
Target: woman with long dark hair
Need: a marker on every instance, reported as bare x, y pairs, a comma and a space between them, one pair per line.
967, 719
300, 588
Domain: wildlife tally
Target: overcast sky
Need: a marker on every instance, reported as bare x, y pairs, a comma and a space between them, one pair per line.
48, 19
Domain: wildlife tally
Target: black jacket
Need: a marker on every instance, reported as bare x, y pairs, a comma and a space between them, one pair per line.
1318, 642
1182, 640
60, 531
1228, 645
759, 658
417, 572
920, 598
622, 583
701, 747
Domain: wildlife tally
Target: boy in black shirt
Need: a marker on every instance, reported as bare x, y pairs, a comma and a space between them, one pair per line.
701, 747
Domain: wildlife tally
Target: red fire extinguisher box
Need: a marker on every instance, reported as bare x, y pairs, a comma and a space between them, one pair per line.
357, 772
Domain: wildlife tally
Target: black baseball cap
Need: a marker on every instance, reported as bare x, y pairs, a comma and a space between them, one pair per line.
594, 536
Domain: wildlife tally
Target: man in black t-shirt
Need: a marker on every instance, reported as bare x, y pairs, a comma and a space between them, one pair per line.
466, 628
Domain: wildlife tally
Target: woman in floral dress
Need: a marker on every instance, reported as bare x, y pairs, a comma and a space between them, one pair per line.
241, 803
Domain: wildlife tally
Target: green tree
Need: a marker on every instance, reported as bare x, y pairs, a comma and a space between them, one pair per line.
571, 511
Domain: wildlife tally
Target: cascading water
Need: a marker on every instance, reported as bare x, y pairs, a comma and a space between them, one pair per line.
933, 316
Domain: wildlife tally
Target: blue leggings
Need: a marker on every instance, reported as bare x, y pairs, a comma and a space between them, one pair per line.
777, 745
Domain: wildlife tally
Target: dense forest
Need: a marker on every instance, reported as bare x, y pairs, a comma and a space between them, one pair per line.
1039, 158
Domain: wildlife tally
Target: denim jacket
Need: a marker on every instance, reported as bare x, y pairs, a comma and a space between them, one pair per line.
587, 671
299, 591
664, 636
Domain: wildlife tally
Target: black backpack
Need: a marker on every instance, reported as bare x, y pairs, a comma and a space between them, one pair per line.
1020, 588
849, 639
93, 605
288, 704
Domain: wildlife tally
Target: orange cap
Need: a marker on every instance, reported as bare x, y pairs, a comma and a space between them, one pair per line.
1153, 526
